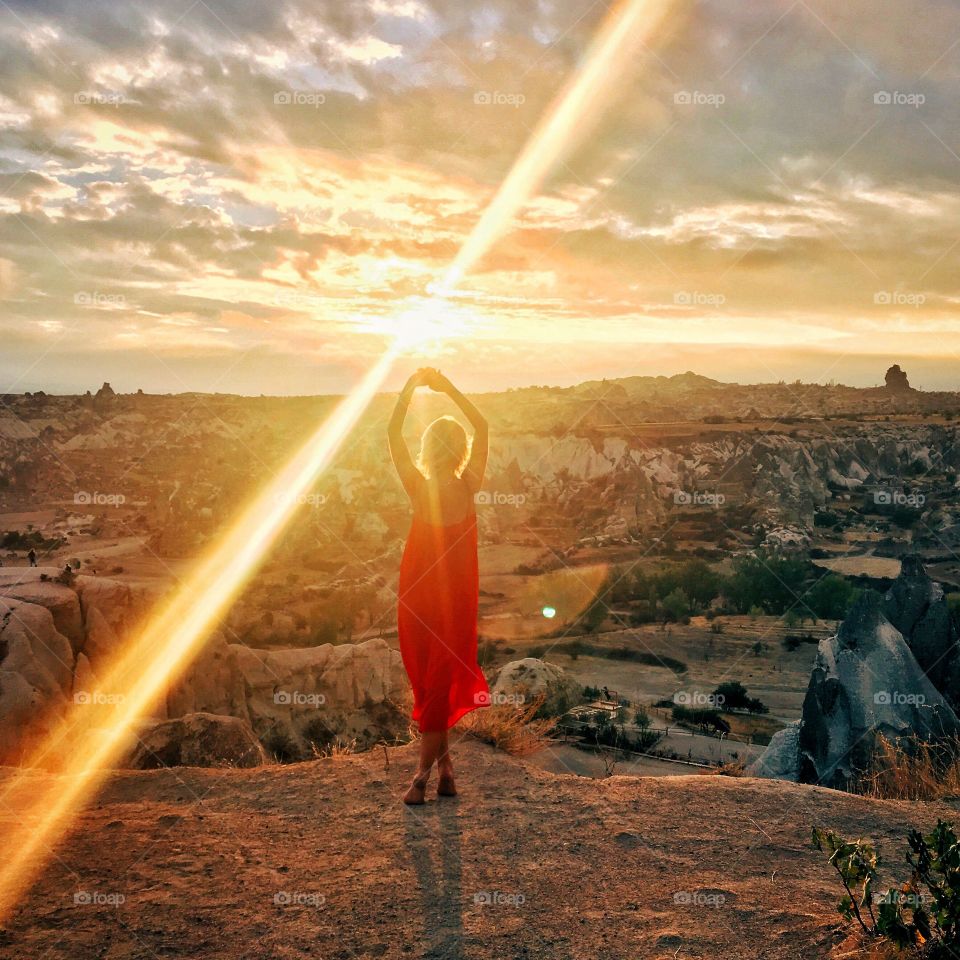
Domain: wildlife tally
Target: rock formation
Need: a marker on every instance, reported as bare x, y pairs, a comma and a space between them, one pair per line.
56, 640
891, 670
896, 380
917, 607
198, 740
866, 683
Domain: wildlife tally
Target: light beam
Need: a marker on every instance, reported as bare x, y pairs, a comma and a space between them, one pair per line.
39, 809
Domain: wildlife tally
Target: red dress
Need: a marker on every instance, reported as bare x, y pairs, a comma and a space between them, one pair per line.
437, 616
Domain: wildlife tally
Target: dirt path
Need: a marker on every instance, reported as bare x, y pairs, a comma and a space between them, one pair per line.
320, 860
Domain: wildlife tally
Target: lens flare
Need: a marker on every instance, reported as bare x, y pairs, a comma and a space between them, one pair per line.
38, 809
628, 26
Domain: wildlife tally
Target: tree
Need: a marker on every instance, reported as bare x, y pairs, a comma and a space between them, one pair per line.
831, 597
676, 605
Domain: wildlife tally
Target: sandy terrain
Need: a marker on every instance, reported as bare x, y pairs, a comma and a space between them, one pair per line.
320, 860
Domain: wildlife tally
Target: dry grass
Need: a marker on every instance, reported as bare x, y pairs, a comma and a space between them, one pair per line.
926, 772
338, 750
734, 768
515, 730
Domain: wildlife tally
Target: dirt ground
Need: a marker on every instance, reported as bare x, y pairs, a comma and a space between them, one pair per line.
321, 860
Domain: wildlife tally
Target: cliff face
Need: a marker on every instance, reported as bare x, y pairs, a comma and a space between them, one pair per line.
321, 859
56, 641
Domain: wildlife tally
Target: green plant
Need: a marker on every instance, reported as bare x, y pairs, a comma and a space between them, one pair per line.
924, 911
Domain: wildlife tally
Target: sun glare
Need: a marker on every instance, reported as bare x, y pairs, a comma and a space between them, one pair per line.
424, 324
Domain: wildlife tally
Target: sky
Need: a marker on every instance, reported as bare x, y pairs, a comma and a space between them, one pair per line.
247, 197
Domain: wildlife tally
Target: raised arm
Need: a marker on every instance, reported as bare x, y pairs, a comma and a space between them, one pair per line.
409, 474
474, 472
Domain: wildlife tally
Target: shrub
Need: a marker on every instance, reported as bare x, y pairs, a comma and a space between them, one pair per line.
925, 911
732, 695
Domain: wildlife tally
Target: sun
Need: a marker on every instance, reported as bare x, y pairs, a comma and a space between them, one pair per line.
424, 324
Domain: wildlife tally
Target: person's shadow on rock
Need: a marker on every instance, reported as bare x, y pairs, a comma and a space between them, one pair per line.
433, 832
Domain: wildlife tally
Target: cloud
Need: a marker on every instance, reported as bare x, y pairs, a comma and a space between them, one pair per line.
241, 177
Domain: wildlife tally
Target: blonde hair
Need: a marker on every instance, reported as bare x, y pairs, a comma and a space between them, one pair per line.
445, 447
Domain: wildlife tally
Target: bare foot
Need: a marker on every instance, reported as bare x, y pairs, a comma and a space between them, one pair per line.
417, 794
446, 786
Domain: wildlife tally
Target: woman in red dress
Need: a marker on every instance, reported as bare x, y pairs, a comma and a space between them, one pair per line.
439, 576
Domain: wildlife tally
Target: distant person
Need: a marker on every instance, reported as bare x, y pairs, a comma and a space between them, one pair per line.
32, 557
439, 576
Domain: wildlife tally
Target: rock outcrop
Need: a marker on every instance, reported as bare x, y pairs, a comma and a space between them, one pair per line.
866, 683
896, 380
55, 641
297, 700
198, 740
917, 607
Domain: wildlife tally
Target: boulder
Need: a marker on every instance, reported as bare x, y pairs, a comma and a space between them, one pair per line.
866, 682
198, 740
781, 759
522, 681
